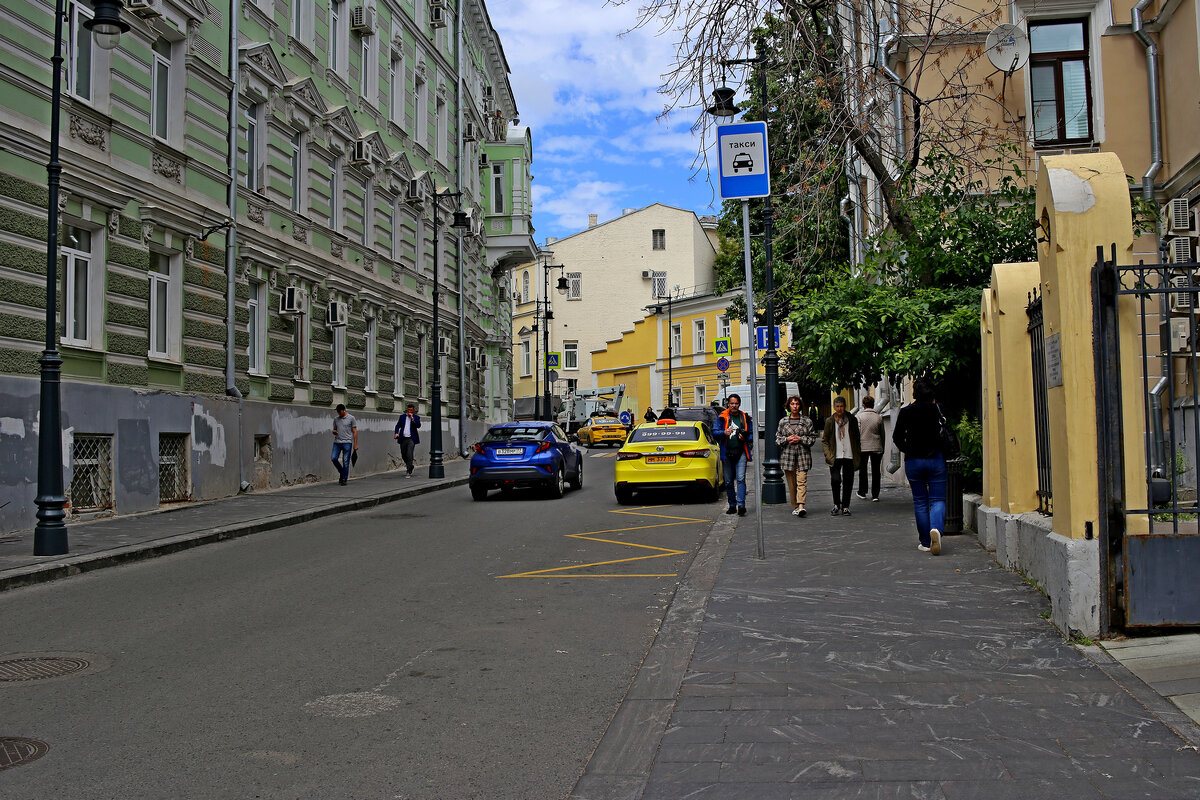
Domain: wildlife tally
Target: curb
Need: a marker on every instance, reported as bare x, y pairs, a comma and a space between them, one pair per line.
1167, 712
65, 568
619, 768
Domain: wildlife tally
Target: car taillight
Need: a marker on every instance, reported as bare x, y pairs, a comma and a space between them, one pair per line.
543, 447
696, 453
479, 448
624, 456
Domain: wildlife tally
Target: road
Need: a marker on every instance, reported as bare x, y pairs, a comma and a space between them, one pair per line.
430, 648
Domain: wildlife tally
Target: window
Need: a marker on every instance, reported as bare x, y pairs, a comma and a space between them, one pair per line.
724, 330
442, 135
298, 11
658, 239
371, 346
256, 326
526, 359
676, 397
422, 358
298, 167
396, 89
421, 101
419, 247
524, 298
339, 357
676, 339
336, 194
574, 285
78, 279
173, 457
699, 396
300, 342
160, 102
80, 58
369, 70
1060, 82
255, 161
498, 189
572, 385
398, 364
658, 284
368, 202
698, 335
570, 355
339, 39
165, 305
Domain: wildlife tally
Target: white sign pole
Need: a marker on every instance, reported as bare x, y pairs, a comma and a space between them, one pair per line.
758, 447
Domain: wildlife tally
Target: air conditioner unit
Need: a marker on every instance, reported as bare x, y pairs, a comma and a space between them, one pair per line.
474, 354
488, 92
487, 100
291, 301
469, 132
437, 3
361, 152
337, 315
416, 191
485, 361
437, 17
362, 19
443, 345
1177, 331
146, 9
1184, 301
1179, 218
483, 160
1181, 250
647, 274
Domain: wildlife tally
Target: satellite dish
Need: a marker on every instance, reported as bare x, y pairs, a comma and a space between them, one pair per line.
1007, 48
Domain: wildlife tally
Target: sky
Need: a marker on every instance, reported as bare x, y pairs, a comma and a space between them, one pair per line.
590, 96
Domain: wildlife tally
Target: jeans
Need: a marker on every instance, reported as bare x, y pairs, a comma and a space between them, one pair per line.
874, 458
735, 481
342, 449
406, 452
927, 477
841, 476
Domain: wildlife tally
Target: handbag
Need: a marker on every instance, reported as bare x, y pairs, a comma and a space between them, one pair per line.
947, 438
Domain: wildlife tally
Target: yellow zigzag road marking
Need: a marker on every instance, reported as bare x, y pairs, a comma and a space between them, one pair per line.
593, 536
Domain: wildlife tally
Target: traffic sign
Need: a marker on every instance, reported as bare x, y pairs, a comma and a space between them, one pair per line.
743, 160
723, 364
760, 334
723, 346
626, 418
553, 360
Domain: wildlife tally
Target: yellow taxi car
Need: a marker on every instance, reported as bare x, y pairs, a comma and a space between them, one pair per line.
668, 454
601, 430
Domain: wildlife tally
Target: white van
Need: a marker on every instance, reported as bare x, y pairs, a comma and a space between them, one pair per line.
786, 390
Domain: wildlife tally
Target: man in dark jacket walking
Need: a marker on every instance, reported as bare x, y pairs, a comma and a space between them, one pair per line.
842, 454
407, 436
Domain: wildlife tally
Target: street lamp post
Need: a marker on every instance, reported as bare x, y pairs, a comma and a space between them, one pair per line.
547, 315
437, 468
50, 533
773, 489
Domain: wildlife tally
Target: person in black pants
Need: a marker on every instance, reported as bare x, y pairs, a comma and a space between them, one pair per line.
870, 436
842, 454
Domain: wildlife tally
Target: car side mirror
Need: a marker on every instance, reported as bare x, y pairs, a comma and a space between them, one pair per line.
571, 437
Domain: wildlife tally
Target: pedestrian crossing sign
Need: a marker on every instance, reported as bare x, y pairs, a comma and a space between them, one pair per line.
553, 360
723, 346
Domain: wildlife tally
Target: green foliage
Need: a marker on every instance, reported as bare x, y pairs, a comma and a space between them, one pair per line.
970, 439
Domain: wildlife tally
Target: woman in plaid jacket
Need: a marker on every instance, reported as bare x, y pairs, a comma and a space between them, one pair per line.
795, 437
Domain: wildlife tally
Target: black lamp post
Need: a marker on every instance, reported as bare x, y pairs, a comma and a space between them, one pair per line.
773, 489
547, 315
437, 468
50, 533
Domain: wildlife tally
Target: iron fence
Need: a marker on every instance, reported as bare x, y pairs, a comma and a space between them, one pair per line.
1041, 415
173, 484
91, 476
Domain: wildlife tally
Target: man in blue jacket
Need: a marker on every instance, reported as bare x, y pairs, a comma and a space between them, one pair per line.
406, 435
735, 432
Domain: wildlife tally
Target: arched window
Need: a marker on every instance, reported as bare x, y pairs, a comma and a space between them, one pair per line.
525, 286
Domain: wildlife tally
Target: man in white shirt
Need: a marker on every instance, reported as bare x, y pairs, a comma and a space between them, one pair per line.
407, 436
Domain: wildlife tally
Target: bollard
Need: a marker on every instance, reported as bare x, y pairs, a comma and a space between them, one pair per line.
954, 495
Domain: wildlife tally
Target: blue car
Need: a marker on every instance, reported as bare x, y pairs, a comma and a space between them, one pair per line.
525, 454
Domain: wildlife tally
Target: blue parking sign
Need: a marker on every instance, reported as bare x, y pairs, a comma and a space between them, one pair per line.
761, 336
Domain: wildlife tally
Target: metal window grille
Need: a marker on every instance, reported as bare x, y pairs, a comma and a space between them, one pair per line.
658, 284
1041, 415
172, 467
91, 478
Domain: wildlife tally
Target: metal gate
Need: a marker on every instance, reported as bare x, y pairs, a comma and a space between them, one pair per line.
1149, 556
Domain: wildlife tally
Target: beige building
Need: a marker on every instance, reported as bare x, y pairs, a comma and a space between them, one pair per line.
612, 272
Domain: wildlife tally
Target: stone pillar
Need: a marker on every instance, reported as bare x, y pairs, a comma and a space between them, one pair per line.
1012, 390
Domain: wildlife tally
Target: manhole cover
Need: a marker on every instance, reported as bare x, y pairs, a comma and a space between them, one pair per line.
15, 751
22, 667
397, 516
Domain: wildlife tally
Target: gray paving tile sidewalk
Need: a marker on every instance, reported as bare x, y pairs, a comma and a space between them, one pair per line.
117, 540
848, 664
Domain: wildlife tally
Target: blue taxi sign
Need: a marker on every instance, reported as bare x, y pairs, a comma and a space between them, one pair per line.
744, 166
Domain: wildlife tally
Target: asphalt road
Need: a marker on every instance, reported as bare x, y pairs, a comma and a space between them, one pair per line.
430, 648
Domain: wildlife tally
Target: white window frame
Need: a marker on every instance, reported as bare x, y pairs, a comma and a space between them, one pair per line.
574, 285
160, 91
571, 355
698, 336
658, 284
256, 327
368, 213
339, 357
255, 150
498, 203
526, 359
339, 38
699, 393
74, 259
421, 107
422, 361
724, 327
337, 195
676, 334
419, 246
166, 288
299, 166
371, 346
524, 287
441, 110
396, 89
79, 39
368, 78
676, 397
658, 239
398, 362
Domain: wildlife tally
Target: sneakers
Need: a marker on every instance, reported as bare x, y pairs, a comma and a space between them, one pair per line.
796, 512
741, 511
845, 512
341, 481
935, 542
801, 512
874, 499
836, 512
731, 510
861, 495
923, 548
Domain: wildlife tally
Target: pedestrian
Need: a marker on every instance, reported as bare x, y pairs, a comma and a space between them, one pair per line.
650, 416
918, 435
345, 443
842, 454
870, 436
407, 436
795, 437
667, 413
734, 429
814, 416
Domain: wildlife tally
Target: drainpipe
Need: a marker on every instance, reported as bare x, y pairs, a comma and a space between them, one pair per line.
883, 53
231, 241
1155, 123
462, 295
1158, 463
846, 201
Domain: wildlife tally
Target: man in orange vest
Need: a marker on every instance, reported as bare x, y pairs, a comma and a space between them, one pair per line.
735, 431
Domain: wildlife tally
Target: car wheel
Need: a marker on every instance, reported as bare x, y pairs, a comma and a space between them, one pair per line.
712, 493
558, 485
577, 480
479, 492
624, 495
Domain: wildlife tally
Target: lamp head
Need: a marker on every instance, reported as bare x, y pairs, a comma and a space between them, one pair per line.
562, 285
106, 24
461, 221
723, 106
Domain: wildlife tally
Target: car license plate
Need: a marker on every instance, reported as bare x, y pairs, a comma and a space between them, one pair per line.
509, 451
660, 459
